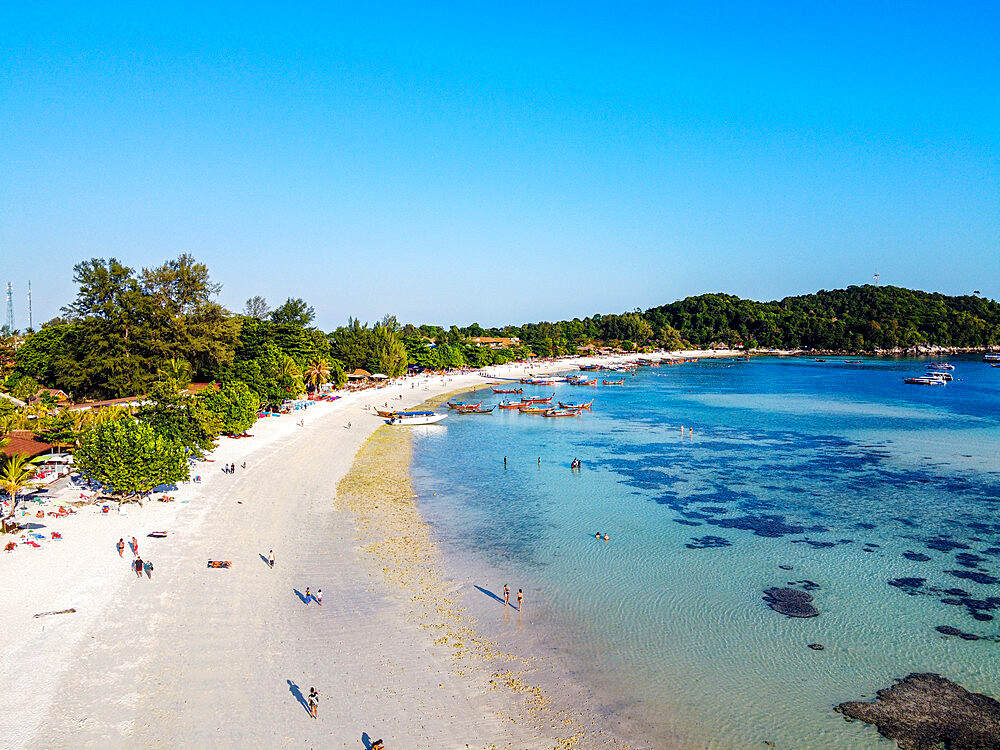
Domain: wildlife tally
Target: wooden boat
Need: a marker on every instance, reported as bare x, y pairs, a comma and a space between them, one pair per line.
511, 404
508, 390
537, 399
614, 382
583, 382
590, 367
743, 359
563, 413
475, 410
576, 406
406, 418
384, 413
852, 361
528, 409
820, 360
460, 404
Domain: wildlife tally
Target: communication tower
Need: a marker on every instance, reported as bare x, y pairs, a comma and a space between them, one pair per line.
10, 308
876, 276
30, 327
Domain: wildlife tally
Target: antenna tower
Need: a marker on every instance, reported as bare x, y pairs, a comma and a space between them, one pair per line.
876, 276
10, 309
30, 327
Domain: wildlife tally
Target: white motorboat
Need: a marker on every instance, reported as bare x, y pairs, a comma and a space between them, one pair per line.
414, 418
940, 366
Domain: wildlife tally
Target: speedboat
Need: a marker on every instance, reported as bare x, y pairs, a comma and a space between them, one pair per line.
991, 358
924, 380
941, 375
414, 417
940, 366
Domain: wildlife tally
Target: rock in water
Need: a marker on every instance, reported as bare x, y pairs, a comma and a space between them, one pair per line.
924, 711
791, 602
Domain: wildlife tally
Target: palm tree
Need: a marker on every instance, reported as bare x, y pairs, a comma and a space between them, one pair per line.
16, 472
177, 369
318, 372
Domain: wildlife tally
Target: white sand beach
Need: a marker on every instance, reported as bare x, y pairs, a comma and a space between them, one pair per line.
198, 657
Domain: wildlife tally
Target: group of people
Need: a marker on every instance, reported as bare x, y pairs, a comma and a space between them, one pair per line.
231, 468
506, 597
139, 565
311, 597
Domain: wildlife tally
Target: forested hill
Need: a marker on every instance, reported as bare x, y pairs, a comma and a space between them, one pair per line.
859, 318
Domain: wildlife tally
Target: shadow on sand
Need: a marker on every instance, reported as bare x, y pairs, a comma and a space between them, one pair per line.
295, 691
490, 594
302, 597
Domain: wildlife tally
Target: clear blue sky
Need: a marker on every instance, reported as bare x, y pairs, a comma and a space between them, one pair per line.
514, 163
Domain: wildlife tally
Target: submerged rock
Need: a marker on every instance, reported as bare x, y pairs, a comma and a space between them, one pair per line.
916, 556
790, 602
925, 711
816, 646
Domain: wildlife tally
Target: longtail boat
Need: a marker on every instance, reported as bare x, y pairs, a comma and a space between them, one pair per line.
460, 404
576, 406
511, 404
527, 409
563, 413
537, 399
583, 382
615, 382
384, 413
508, 390
475, 410
590, 367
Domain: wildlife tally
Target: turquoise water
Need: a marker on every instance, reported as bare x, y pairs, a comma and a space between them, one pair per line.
879, 498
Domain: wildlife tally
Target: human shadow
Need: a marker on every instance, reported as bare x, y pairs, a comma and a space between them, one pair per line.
264, 558
302, 597
490, 594
295, 691
366, 741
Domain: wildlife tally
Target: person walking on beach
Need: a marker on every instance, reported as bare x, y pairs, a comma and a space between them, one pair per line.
313, 703
520, 599
121, 547
319, 597
232, 468
135, 547
506, 595
309, 596
270, 559
138, 566
148, 567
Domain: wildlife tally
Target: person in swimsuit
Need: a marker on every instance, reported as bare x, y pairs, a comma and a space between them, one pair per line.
135, 547
313, 703
309, 596
138, 566
121, 547
506, 595
520, 599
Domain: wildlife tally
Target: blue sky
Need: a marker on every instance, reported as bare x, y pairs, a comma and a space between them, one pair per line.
504, 164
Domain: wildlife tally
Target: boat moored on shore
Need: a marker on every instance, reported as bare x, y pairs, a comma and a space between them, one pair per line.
414, 418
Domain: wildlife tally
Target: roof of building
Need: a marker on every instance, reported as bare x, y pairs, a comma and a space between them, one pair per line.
24, 442
359, 373
108, 402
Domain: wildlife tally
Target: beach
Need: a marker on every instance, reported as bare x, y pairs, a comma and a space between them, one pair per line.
195, 656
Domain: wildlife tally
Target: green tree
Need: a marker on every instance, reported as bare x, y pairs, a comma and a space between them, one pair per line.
128, 457
16, 472
234, 406
183, 419
294, 311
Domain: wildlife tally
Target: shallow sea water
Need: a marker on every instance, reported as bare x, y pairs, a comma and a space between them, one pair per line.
881, 498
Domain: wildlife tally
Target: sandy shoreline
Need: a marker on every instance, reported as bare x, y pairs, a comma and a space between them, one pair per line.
198, 656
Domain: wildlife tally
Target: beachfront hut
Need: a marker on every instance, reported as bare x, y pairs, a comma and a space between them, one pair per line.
359, 374
24, 443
